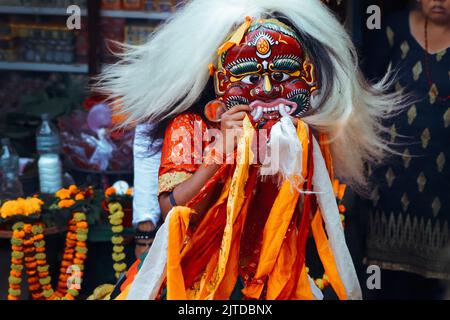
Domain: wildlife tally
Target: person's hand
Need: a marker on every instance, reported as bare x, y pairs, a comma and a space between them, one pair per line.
146, 226
143, 245
231, 125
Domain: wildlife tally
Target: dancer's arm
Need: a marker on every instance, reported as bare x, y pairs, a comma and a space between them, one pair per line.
185, 191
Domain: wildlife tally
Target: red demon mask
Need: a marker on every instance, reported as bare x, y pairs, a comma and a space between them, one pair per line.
268, 70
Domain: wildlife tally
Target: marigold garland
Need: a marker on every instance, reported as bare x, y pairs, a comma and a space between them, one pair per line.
75, 254
28, 249
116, 215
17, 255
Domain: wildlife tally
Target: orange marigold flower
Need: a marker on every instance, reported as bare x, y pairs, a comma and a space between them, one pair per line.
110, 191
65, 263
79, 196
27, 242
73, 189
18, 234
81, 244
63, 194
80, 255
32, 280
66, 203
38, 237
15, 273
82, 225
27, 228
129, 192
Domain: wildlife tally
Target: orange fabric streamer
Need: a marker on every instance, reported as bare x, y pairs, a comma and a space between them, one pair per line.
303, 291
178, 224
320, 237
326, 256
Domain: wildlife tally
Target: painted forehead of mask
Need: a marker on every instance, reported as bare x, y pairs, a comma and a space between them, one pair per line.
245, 54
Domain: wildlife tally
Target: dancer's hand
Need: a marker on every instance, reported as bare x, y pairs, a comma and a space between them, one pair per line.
231, 126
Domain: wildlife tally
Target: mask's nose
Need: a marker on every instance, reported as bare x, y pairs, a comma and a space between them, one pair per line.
267, 85
266, 89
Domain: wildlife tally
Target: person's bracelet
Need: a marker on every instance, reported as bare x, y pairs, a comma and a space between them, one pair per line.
144, 235
172, 200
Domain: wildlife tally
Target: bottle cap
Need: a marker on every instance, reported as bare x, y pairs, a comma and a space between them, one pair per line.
45, 116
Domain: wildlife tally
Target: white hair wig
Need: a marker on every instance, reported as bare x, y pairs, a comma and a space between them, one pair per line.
167, 75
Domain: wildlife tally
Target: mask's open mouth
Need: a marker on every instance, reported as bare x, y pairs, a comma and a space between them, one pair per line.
272, 110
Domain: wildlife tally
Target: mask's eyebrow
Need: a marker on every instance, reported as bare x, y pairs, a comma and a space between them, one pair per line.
289, 63
243, 66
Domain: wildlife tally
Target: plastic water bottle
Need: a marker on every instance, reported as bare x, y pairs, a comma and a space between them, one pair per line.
10, 187
49, 164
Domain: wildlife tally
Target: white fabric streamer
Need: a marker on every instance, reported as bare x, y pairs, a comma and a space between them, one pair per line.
333, 225
317, 293
284, 152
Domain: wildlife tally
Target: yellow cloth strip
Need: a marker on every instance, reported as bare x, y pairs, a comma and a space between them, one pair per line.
236, 38
123, 295
235, 197
178, 224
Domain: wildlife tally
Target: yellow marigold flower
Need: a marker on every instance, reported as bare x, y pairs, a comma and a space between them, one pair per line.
10, 208
117, 229
319, 283
79, 196
119, 267
66, 203
63, 194
117, 257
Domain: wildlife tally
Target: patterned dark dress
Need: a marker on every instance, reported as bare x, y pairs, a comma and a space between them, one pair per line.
408, 227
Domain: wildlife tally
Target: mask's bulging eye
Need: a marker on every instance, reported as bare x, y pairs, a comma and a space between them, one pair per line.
280, 76
251, 79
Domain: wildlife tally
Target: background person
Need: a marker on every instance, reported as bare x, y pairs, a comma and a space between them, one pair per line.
408, 216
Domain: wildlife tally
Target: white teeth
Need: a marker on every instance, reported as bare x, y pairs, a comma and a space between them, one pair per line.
257, 113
